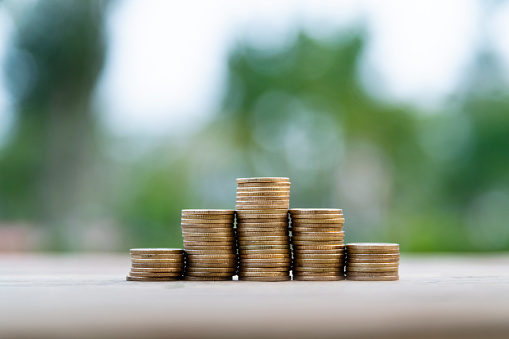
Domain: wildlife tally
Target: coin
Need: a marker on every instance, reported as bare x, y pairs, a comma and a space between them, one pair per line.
229, 234
156, 251
129, 278
314, 237
263, 269
208, 274
210, 256
269, 194
157, 256
298, 217
263, 213
298, 256
373, 260
267, 238
316, 242
263, 256
267, 279
209, 247
191, 278
319, 278
316, 247
282, 232
209, 251
373, 278
230, 264
213, 211
371, 269
263, 179
263, 274
156, 261
317, 230
373, 246
157, 270
170, 265
371, 274
318, 269
264, 189
317, 274
243, 264
373, 265
208, 242
193, 269
263, 247
318, 221
155, 274
316, 211
259, 209
265, 251
200, 238
263, 199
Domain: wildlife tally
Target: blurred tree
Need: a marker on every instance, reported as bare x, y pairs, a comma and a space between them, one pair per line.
53, 66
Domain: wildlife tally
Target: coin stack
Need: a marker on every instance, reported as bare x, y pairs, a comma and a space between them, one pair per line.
372, 261
262, 229
209, 242
156, 264
317, 241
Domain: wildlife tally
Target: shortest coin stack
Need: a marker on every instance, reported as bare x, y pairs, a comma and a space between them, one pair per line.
372, 261
156, 264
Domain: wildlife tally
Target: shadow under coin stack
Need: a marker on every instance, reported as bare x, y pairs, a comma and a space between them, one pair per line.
372, 261
262, 229
209, 242
156, 264
317, 241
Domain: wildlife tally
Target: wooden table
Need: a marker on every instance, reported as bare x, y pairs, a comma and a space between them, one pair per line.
86, 296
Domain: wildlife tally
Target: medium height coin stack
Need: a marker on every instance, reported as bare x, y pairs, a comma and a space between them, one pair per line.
262, 229
209, 242
317, 241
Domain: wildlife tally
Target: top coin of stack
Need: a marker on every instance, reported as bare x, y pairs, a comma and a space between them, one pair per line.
262, 228
317, 240
372, 261
209, 241
156, 264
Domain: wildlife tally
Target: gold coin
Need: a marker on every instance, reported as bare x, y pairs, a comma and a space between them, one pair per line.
263, 256
206, 242
319, 278
262, 227
263, 199
373, 278
356, 251
258, 188
319, 269
249, 222
244, 261
263, 213
267, 279
263, 179
316, 247
318, 261
243, 244
187, 221
189, 235
191, 278
211, 252
203, 238
371, 274
265, 238
156, 261
269, 251
268, 209
129, 278
263, 264
209, 274
263, 269
316, 274
155, 274
157, 256
373, 265
330, 221
316, 211
193, 269
226, 265
269, 194
157, 270
298, 256
228, 216
264, 247
360, 261
156, 251
315, 237
372, 269
211, 256
147, 265
263, 274
206, 212
282, 233
190, 249
339, 250
316, 242
317, 230
373, 246
315, 217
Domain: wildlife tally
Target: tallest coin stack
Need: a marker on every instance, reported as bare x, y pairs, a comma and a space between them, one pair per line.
262, 229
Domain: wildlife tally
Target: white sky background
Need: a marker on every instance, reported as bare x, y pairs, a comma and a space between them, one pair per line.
166, 65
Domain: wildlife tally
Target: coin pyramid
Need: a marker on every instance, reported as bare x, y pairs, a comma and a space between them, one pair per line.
209, 242
262, 229
156, 264
372, 261
317, 241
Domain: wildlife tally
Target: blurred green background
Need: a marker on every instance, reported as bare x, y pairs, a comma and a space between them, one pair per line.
430, 177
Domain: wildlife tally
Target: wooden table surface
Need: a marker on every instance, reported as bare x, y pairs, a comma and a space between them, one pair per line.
86, 296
